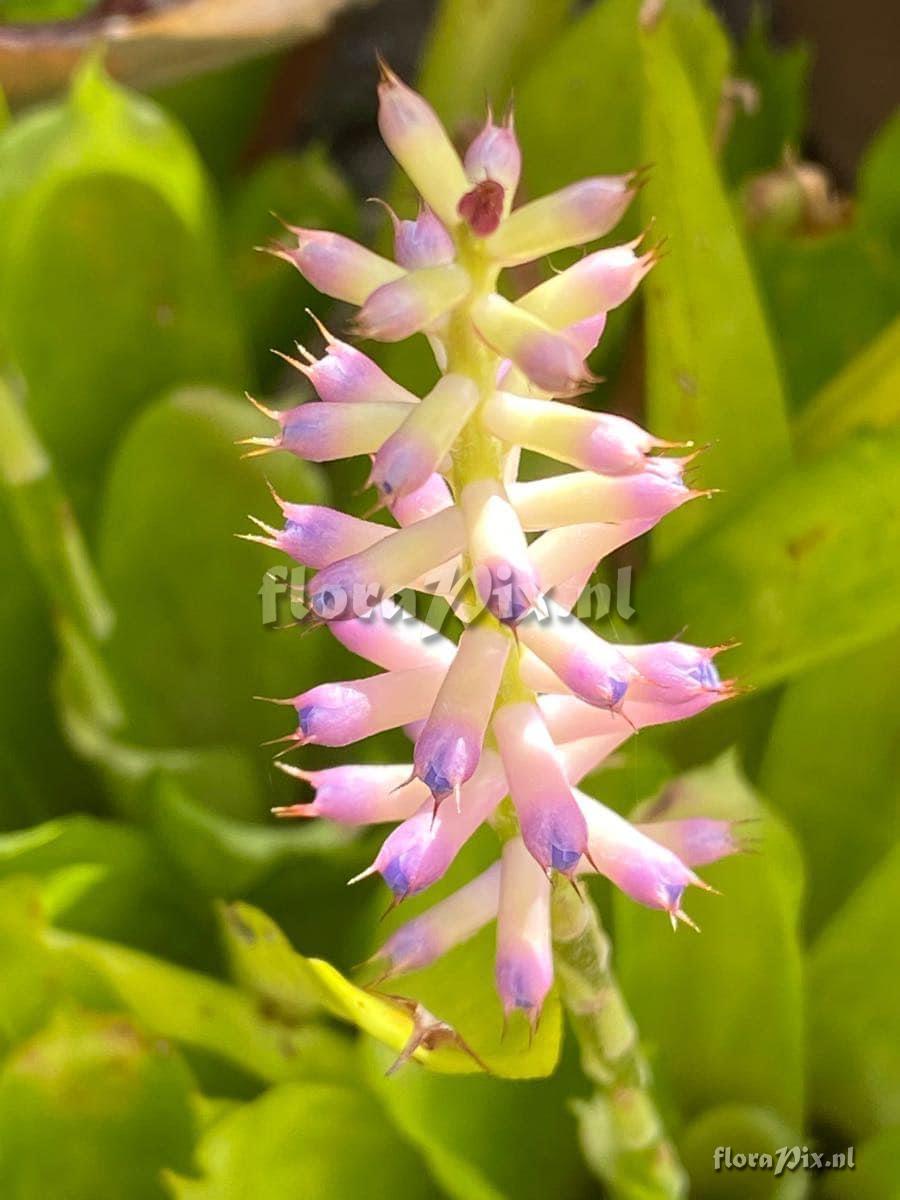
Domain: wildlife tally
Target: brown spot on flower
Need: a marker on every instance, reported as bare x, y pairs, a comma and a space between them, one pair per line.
482, 207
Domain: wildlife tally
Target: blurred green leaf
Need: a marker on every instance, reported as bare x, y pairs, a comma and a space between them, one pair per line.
93, 1109
110, 241
27, 11
827, 296
879, 188
262, 961
875, 1174
743, 1130
711, 370
477, 52
36, 978
592, 74
204, 1014
864, 396
189, 648
808, 570
306, 190
760, 134
854, 1026
697, 997
227, 858
476, 1135
305, 1140
822, 751
135, 898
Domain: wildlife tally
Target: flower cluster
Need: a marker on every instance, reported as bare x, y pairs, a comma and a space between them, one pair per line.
529, 700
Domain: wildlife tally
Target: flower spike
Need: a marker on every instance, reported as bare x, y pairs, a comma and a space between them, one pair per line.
526, 700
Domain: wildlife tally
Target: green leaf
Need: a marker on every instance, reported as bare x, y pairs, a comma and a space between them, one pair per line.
305, 1140
809, 777
109, 236
864, 396
711, 371
807, 571
742, 1129
306, 190
854, 1026
477, 52
93, 1109
698, 999
759, 137
190, 651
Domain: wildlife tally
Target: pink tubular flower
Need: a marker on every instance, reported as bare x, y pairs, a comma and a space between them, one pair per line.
448, 923
449, 747
527, 700
413, 453
553, 827
336, 265
524, 947
325, 432
503, 574
357, 795
344, 375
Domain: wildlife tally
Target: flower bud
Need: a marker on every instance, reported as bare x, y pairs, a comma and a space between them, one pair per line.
576, 214
344, 375
695, 840
582, 497
336, 265
550, 359
357, 794
325, 432
413, 453
423, 242
570, 718
645, 870
432, 497
337, 714
392, 639
584, 756
573, 550
586, 663
317, 536
449, 747
446, 924
405, 306
597, 283
674, 672
418, 141
495, 154
594, 441
504, 577
418, 852
352, 586
553, 827
524, 964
